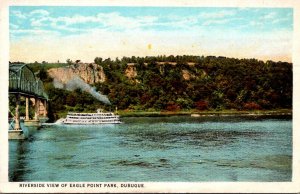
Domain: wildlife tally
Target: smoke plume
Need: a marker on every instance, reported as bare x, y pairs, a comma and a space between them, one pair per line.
57, 84
77, 83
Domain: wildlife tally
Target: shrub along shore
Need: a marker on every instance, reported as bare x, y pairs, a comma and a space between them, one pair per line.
196, 113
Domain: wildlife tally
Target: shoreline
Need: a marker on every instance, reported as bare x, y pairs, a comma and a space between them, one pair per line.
194, 113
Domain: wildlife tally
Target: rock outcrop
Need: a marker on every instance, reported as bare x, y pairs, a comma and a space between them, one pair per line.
92, 73
186, 74
130, 71
89, 72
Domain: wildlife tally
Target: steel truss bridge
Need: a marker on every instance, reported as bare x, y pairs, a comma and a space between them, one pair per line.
23, 82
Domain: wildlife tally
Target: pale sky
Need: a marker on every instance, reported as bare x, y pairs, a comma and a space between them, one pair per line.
51, 33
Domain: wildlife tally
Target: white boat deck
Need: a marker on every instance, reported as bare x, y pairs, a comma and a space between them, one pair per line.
92, 118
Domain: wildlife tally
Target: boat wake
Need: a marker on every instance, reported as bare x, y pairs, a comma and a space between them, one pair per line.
58, 122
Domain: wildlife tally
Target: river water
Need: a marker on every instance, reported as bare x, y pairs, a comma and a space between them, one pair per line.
177, 148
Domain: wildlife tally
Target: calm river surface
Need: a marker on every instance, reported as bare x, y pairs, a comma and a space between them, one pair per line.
177, 148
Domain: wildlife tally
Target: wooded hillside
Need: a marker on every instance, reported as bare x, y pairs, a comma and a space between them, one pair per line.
181, 83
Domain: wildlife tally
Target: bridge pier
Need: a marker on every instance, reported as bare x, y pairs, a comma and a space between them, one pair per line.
17, 113
40, 112
27, 109
36, 120
45, 108
43, 111
37, 109
17, 132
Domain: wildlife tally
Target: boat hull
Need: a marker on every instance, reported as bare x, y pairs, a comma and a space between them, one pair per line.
104, 123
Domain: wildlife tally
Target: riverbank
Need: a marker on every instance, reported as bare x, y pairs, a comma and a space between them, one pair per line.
196, 113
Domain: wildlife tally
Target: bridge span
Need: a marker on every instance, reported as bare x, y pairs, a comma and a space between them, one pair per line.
24, 84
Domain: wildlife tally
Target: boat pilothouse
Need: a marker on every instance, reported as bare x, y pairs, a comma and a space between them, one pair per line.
92, 118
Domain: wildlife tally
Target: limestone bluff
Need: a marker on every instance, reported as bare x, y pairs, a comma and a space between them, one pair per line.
92, 73
89, 72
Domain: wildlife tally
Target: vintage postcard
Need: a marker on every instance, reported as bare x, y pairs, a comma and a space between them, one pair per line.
173, 96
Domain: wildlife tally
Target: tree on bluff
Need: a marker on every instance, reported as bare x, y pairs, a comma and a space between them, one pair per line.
220, 82
217, 83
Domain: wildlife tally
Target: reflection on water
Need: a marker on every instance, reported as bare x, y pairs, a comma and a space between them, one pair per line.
158, 149
197, 138
276, 162
17, 160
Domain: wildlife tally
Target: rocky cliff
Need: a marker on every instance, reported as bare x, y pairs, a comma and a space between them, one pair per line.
131, 71
89, 72
92, 73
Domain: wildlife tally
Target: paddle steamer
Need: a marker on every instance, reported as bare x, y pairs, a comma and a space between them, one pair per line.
92, 118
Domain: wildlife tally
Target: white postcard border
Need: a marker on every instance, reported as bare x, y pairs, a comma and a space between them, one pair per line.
207, 187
